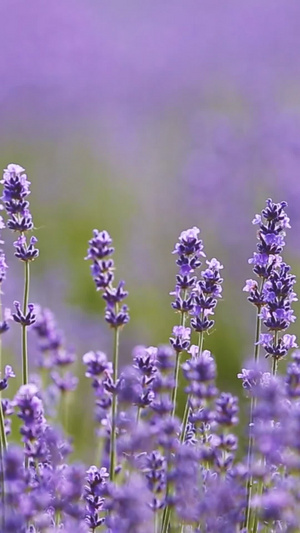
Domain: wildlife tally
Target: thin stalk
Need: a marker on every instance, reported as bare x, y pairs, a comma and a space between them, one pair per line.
251, 438
274, 366
114, 406
166, 513
200, 342
176, 381
24, 328
3, 441
155, 522
166, 519
177, 365
2, 479
260, 487
185, 420
187, 408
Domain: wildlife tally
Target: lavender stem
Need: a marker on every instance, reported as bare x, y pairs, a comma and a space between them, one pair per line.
24, 327
251, 439
187, 408
114, 404
260, 487
177, 365
3, 441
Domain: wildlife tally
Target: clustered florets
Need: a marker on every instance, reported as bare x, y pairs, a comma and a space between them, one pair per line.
99, 252
275, 295
15, 192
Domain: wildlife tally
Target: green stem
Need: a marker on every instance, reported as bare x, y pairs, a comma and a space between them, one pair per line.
251, 438
114, 406
166, 519
177, 365
260, 487
2, 430
24, 328
2, 479
200, 343
176, 381
185, 420
187, 408
155, 522
274, 366
166, 514
3, 441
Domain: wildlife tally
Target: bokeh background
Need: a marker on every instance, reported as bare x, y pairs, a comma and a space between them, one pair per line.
146, 118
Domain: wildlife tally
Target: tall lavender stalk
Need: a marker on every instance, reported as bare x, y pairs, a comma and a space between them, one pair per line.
189, 249
15, 192
206, 293
100, 251
272, 297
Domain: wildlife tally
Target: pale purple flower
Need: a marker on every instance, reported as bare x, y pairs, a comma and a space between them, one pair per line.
289, 341
96, 363
251, 284
8, 373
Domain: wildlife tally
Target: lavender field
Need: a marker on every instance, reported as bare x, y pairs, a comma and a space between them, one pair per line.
159, 144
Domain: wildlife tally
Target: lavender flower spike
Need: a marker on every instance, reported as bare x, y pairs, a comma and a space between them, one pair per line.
99, 252
8, 373
15, 192
272, 297
16, 189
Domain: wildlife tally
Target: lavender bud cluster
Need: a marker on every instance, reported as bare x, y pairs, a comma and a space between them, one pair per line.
15, 193
100, 252
275, 295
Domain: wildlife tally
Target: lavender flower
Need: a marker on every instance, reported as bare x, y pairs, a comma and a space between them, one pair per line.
67, 382
26, 252
206, 292
97, 364
50, 337
128, 508
273, 298
24, 319
99, 251
8, 409
189, 249
144, 361
154, 469
277, 349
30, 411
227, 409
181, 340
200, 371
3, 266
94, 491
15, 191
8, 373
272, 222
